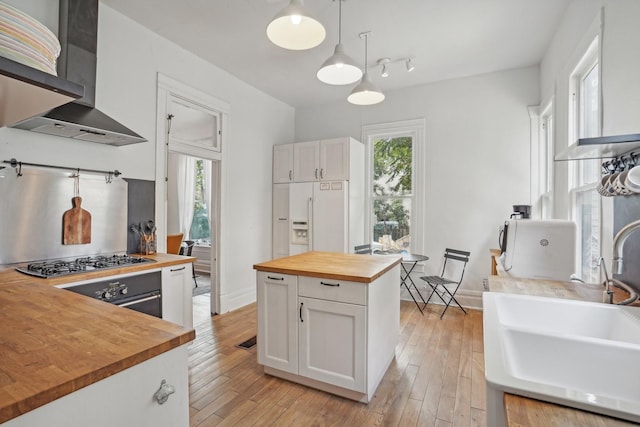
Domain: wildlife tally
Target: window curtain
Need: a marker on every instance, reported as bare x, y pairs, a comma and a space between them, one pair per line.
186, 182
207, 196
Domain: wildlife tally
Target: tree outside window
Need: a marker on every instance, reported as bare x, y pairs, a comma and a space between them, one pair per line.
200, 230
392, 192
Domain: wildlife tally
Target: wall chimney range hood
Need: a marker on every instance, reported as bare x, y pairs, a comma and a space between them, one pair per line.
78, 35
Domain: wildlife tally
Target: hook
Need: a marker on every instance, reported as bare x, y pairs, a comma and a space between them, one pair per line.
108, 178
19, 169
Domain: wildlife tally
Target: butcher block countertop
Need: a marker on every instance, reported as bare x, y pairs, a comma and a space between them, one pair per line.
54, 342
526, 412
331, 265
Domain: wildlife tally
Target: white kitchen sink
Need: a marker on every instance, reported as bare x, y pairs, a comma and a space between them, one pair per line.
579, 354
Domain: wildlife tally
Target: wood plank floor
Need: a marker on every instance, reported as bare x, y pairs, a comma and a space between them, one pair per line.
436, 379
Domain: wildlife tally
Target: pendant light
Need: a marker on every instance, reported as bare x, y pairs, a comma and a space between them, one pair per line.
366, 93
293, 29
339, 69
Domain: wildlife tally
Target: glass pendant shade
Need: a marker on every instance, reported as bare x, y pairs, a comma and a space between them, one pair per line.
339, 69
366, 93
293, 29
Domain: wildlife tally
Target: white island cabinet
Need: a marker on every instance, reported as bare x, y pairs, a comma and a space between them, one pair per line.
329, 320
123, 399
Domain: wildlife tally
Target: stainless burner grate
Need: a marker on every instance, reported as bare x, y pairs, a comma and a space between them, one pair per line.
55, 268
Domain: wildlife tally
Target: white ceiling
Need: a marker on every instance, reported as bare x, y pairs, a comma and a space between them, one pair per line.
445, 38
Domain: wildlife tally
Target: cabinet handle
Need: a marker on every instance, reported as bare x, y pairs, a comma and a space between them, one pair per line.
301, 319
177, 269
275, 278
290, 174
330, 284
316, 173
322, 173
163, 392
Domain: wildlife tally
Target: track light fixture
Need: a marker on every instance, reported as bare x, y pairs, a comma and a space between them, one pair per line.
293, 29
365, 93
384, 61
339, 69
409, 66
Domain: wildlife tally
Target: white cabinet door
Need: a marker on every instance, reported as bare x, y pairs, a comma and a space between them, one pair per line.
283, 163
306, 161
277, 296
177, 304
123, 399
334, 159
280, 221
333, 343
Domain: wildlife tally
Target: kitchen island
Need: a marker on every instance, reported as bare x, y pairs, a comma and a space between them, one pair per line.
329, 320
73, 360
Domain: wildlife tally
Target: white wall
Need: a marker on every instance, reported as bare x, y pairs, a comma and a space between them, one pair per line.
620, 89
477, 156
129, 58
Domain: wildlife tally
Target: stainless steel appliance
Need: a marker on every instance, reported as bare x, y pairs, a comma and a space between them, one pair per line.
141, 292
60, 267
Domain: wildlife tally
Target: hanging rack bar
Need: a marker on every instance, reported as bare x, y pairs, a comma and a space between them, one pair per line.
15, 163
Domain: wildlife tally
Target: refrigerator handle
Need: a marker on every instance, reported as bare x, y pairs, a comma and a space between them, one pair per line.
310, 225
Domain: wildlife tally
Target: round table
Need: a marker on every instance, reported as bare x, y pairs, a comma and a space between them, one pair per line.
410, 261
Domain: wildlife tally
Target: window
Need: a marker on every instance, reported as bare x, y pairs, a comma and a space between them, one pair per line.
584, 175
395, 176
392, 192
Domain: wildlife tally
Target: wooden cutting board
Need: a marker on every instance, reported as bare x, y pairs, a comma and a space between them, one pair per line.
76, 224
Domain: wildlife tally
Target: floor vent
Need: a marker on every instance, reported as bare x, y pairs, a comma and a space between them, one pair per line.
248, 344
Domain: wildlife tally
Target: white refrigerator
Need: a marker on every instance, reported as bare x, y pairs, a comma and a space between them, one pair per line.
316, 216
540, 249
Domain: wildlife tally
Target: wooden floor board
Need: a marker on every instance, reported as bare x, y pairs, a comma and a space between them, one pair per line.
436, 378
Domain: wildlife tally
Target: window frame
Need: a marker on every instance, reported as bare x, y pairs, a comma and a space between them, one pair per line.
546, 172
415, 129
577, 185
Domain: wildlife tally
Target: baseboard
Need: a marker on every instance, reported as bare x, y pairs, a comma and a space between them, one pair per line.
467, 298
233, 301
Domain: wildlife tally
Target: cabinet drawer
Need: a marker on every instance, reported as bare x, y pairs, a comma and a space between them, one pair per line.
333, 290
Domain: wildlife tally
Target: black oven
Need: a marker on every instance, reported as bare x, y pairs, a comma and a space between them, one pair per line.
141, 292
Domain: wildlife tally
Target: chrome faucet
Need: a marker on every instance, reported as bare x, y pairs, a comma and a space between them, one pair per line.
607, 295
618, 244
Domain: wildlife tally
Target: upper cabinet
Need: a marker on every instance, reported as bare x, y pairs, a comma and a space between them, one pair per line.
282, 163
26, 92
306, 161
325, 160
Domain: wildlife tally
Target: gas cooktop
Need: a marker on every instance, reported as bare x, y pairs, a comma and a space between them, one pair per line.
56, 268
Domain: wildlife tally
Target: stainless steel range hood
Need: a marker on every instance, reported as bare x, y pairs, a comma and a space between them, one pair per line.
78, 34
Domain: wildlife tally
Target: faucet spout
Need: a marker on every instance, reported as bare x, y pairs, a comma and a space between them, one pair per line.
618, 244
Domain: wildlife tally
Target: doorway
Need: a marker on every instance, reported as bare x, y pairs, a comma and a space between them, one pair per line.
190, 125
192, 196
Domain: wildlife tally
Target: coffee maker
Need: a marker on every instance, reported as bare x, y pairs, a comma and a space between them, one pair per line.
521, 212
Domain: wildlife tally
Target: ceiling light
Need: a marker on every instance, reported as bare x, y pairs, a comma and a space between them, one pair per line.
339, 69
410, 67
293, 29
365, 93
384, 62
